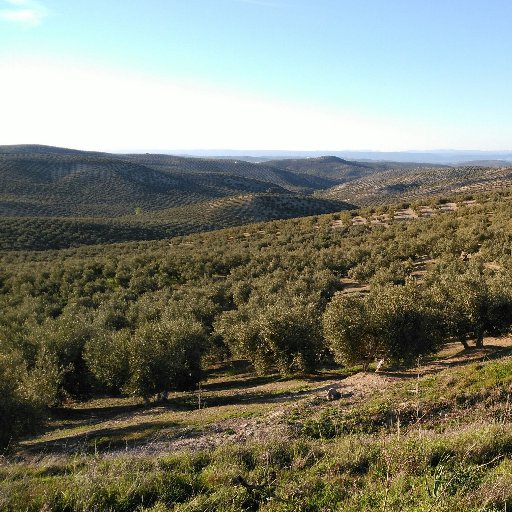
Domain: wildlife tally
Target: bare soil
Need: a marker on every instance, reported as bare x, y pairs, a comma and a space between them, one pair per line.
234, 409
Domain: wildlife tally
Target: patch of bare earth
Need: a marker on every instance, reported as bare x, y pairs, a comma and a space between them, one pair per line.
236, 410
354, 389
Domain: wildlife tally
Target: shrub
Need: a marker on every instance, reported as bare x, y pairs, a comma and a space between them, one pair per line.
471, 302
283, 335
394, 322
18, 414
165, 355
106, 355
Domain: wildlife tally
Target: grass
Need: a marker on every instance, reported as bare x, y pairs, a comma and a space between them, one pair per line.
440, 443
418, 471
110, 423
444, 401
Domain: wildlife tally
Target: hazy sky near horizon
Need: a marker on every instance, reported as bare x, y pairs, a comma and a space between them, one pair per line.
146, 75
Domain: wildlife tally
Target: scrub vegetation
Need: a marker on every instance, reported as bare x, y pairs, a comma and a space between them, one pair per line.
189, 373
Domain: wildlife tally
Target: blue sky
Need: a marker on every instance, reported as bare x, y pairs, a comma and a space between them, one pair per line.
257, 74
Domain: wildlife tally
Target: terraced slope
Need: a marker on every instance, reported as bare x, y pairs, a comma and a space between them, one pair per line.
268, 172
418, 183
56, 198
41, 233
340, 170
107, 186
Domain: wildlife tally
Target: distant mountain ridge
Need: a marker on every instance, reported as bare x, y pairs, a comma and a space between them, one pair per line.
438, 157
54, 197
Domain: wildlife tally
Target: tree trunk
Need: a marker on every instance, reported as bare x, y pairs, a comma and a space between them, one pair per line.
464, 343
479, 341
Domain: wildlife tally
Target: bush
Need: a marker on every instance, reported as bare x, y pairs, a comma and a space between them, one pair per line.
285, 335
472, 303
165, 355
107, 358
18, 414
394, 322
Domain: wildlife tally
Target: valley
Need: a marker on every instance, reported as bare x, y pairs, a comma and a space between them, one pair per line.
171, 326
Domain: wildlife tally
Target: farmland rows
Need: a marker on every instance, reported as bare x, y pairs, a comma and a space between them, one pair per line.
411, 185
402, 214
271, 174
39, 233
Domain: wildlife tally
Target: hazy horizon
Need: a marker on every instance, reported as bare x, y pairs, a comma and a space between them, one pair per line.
435, 156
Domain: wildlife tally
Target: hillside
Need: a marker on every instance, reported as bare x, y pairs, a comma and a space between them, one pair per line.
54, 198
420, 183
72, 184
241, 443
43, 232
328, 167
266, 171
191, 373
40, 180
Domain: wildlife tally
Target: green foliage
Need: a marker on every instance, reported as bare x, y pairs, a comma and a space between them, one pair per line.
64, 339
347, 333
165, 355
419, 472
18, 414
42, 383
392, 322
281, 335
94, 319
473, 302
107, 357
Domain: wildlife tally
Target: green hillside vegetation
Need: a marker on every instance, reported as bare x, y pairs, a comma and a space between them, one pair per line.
42, 233
267, 172
259, 293
329, 167
189, 372
414, 184
53, 198
338, 169
43, 181
78, 185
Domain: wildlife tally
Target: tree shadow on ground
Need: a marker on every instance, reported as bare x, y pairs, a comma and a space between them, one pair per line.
71, 417
462, 358
105, 439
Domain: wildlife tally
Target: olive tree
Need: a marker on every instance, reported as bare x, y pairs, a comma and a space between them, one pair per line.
472, 302
393, 322
20, 409
165, 355
107, 357
347, 331
283, 334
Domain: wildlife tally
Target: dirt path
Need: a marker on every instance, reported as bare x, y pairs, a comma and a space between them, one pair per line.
354, 389
242, 409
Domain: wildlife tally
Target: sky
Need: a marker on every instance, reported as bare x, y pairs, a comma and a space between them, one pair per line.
163, 75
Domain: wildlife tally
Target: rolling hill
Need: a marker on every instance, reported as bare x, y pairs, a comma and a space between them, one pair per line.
419, 183
328, 167
54, 197
41, 232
